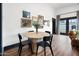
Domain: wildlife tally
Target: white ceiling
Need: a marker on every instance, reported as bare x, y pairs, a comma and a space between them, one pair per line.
62, 5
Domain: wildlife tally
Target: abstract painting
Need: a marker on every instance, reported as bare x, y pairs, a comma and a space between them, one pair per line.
34, 18
25, 22
41, 20
47, 22
26, 14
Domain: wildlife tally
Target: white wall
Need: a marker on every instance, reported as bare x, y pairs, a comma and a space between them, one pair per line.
12, 14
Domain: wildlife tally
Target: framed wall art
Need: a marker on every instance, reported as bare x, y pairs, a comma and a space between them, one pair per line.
41, 20
26, 22
26, 14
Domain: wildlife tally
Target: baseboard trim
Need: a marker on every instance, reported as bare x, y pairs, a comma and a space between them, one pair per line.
11, 46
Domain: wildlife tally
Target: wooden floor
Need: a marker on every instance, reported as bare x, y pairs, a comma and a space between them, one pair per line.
61, 46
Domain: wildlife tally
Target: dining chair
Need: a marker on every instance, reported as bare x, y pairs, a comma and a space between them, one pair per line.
47, 42
48, 32
29, 39
23, 43
31, 31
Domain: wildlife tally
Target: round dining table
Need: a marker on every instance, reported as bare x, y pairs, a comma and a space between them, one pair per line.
34, 37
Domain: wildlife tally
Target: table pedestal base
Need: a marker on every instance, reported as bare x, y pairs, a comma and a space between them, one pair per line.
34, 46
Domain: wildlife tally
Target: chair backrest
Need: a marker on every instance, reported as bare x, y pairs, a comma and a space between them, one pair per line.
48, 32
20, 38
31, 31
48, 38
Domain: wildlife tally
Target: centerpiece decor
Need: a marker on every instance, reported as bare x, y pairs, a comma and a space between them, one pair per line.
36, 25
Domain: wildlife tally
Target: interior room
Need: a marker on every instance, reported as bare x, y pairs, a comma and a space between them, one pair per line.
40, 29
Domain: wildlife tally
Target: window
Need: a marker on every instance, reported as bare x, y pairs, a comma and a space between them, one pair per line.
67, 24
63, 26
72, 24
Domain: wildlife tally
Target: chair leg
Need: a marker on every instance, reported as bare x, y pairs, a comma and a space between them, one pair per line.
20, 50
37, 50
31, 48
51, 51
44, 51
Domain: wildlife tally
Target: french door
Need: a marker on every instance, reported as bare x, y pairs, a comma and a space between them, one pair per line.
72, 24
67, 24
62, 27
0, 29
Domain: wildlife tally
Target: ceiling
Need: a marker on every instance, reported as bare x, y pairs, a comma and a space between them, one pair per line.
62, 5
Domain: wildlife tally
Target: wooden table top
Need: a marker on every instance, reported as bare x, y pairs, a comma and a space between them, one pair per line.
36, 35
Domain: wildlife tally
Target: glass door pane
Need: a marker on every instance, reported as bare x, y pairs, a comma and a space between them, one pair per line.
62, 26
72, 24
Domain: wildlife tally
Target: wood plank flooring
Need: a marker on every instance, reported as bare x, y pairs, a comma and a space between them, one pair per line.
61, 46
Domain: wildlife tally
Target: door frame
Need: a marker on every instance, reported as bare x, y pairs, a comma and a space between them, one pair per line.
0, 29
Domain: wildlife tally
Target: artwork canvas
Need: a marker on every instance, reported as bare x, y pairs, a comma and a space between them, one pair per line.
26, 14
41, 20
34, 18
26, 22
47, 22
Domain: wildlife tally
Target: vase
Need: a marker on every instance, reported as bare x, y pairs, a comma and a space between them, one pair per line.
36, 30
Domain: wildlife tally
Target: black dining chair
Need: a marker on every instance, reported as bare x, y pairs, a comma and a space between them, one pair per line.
48, 32
23, 43
47, 42
29, 39
31, 31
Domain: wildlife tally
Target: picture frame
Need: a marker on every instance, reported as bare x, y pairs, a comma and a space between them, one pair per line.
26, 23
26, 14
41, 20
47, 22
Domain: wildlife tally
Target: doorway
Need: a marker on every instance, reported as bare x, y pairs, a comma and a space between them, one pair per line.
53, 26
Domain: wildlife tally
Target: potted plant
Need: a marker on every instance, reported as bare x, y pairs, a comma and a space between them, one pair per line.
36, 25
77, 34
